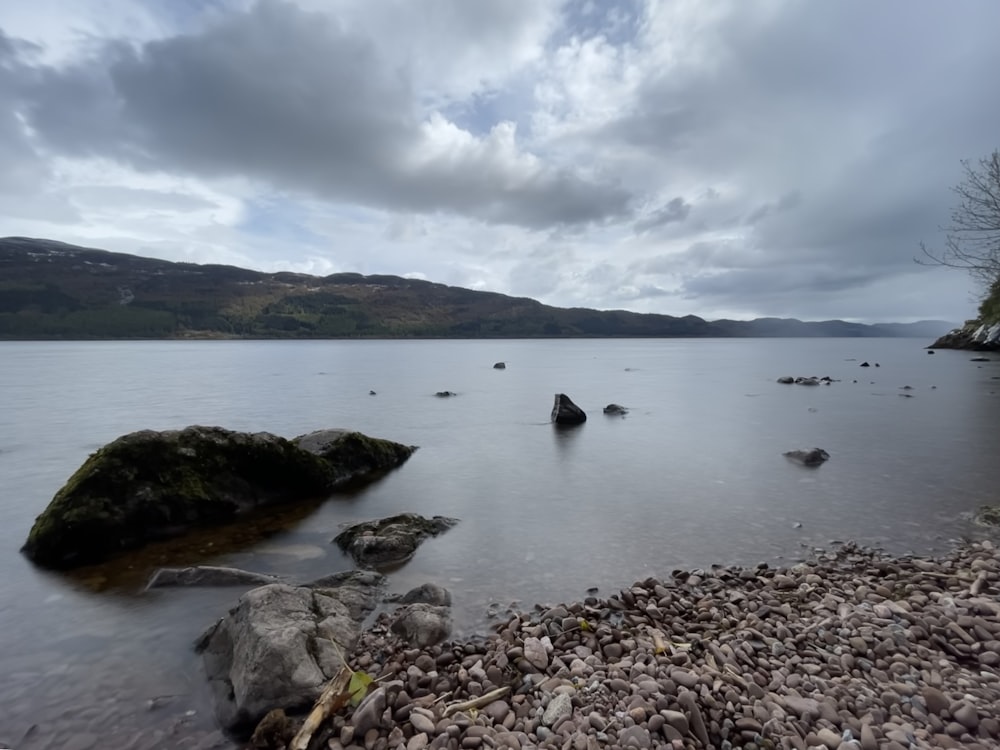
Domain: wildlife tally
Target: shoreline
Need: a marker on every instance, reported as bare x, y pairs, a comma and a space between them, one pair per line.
855, 648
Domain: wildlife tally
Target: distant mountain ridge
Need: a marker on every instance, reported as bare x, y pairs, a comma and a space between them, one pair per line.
52, 290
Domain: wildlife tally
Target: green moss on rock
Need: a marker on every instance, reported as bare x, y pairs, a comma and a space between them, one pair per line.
149, 485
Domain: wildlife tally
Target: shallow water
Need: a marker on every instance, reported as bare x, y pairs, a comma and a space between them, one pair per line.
692, 476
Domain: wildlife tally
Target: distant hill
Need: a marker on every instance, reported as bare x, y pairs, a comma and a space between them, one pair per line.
51, 290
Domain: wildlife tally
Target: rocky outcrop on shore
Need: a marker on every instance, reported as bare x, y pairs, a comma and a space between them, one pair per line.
852, 649
975, 335
150, 485
281, 644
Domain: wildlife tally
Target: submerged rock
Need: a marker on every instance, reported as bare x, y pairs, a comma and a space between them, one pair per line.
988, 515
786, 380
151, 485
564, 411
808, 458
280, 645
208, 575
445, 394
500, 366
392, 540
615, 410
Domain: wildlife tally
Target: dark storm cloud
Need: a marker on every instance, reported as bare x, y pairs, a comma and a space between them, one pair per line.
291, 98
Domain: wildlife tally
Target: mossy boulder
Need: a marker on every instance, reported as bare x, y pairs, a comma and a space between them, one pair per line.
151, 485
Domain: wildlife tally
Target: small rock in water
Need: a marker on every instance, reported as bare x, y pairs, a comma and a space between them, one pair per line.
815, 457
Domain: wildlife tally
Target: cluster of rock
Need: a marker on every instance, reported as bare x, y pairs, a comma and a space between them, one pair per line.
281, 644
805, 380
853, 649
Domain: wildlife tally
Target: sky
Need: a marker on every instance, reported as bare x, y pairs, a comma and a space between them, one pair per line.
740, 158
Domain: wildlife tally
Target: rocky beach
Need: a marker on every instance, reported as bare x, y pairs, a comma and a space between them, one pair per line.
851, 649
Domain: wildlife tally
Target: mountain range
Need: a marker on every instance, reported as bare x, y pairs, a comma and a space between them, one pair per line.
52, 290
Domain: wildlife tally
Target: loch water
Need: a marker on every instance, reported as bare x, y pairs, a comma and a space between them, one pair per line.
693, 475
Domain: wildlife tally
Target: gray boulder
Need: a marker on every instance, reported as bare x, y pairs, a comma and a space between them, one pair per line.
422, 625
208, 575
500, 366
814, 457
615, 410
392, 540
786, 380
565, 412
275, 648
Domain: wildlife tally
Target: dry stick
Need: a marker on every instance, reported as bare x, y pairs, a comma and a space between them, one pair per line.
479, 702
334, 697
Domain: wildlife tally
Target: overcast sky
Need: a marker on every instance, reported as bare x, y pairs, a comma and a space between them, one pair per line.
726, 159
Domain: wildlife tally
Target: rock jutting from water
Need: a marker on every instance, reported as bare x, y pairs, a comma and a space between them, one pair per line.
852, 649
392, 540
151, 485
813, 457
565, 412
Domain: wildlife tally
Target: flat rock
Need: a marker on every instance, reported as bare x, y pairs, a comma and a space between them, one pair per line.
392, 540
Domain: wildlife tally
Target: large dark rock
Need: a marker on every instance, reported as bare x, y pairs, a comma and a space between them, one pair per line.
280, 645
392, 540
564, 411
149, 485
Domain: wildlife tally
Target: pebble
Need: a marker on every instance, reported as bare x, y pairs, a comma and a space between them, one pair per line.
560, 706
850, 650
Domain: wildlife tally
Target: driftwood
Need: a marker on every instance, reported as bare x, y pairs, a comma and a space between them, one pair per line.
333, 698
482, 700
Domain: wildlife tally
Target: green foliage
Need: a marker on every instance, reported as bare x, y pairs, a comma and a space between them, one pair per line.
989, 309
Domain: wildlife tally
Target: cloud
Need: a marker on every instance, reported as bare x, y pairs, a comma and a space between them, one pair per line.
291, 98
675, 210
736, 159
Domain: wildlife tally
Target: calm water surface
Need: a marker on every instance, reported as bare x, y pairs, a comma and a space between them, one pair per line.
692, 476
